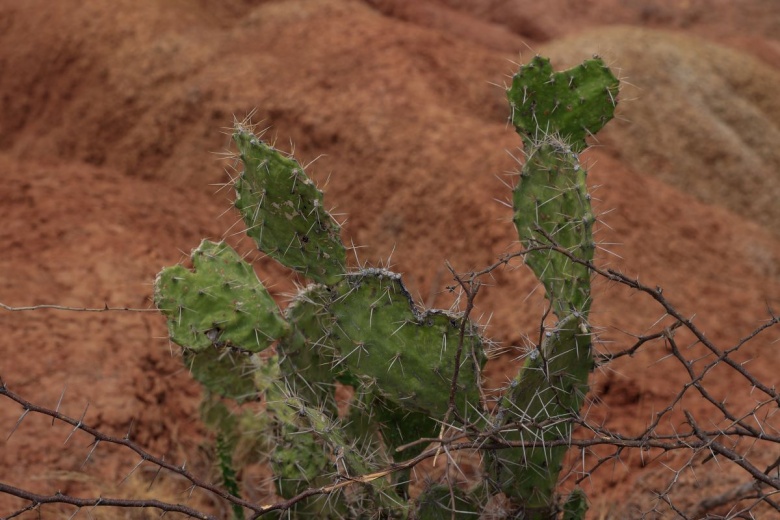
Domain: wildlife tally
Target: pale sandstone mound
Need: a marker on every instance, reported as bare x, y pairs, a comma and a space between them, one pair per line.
699, 116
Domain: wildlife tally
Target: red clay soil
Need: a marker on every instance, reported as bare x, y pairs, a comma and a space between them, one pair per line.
113, 120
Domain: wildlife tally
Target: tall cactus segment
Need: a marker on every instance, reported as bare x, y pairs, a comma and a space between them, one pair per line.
546, 394
553, 112
551, 202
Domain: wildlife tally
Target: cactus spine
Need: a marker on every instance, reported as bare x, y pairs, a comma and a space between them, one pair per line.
361, 327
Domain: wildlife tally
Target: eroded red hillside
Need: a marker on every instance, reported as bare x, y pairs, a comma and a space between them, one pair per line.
113, 112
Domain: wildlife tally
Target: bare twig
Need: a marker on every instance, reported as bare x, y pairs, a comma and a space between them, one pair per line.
106, 308
59, 498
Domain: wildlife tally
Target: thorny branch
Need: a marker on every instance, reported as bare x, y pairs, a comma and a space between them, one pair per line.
717, 439
98, 436
59, 498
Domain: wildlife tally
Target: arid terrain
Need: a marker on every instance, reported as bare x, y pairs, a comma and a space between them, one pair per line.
115, 120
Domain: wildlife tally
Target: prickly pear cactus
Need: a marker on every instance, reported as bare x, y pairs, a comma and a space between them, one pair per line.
361, 328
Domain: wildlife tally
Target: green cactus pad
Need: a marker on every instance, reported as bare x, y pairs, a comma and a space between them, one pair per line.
573, 103
550, 388
283, 211
221, 303
348, 460
552, 196
367, 327
383, 339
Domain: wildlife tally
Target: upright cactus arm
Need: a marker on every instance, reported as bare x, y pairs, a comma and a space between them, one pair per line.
551, 202
553, 113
